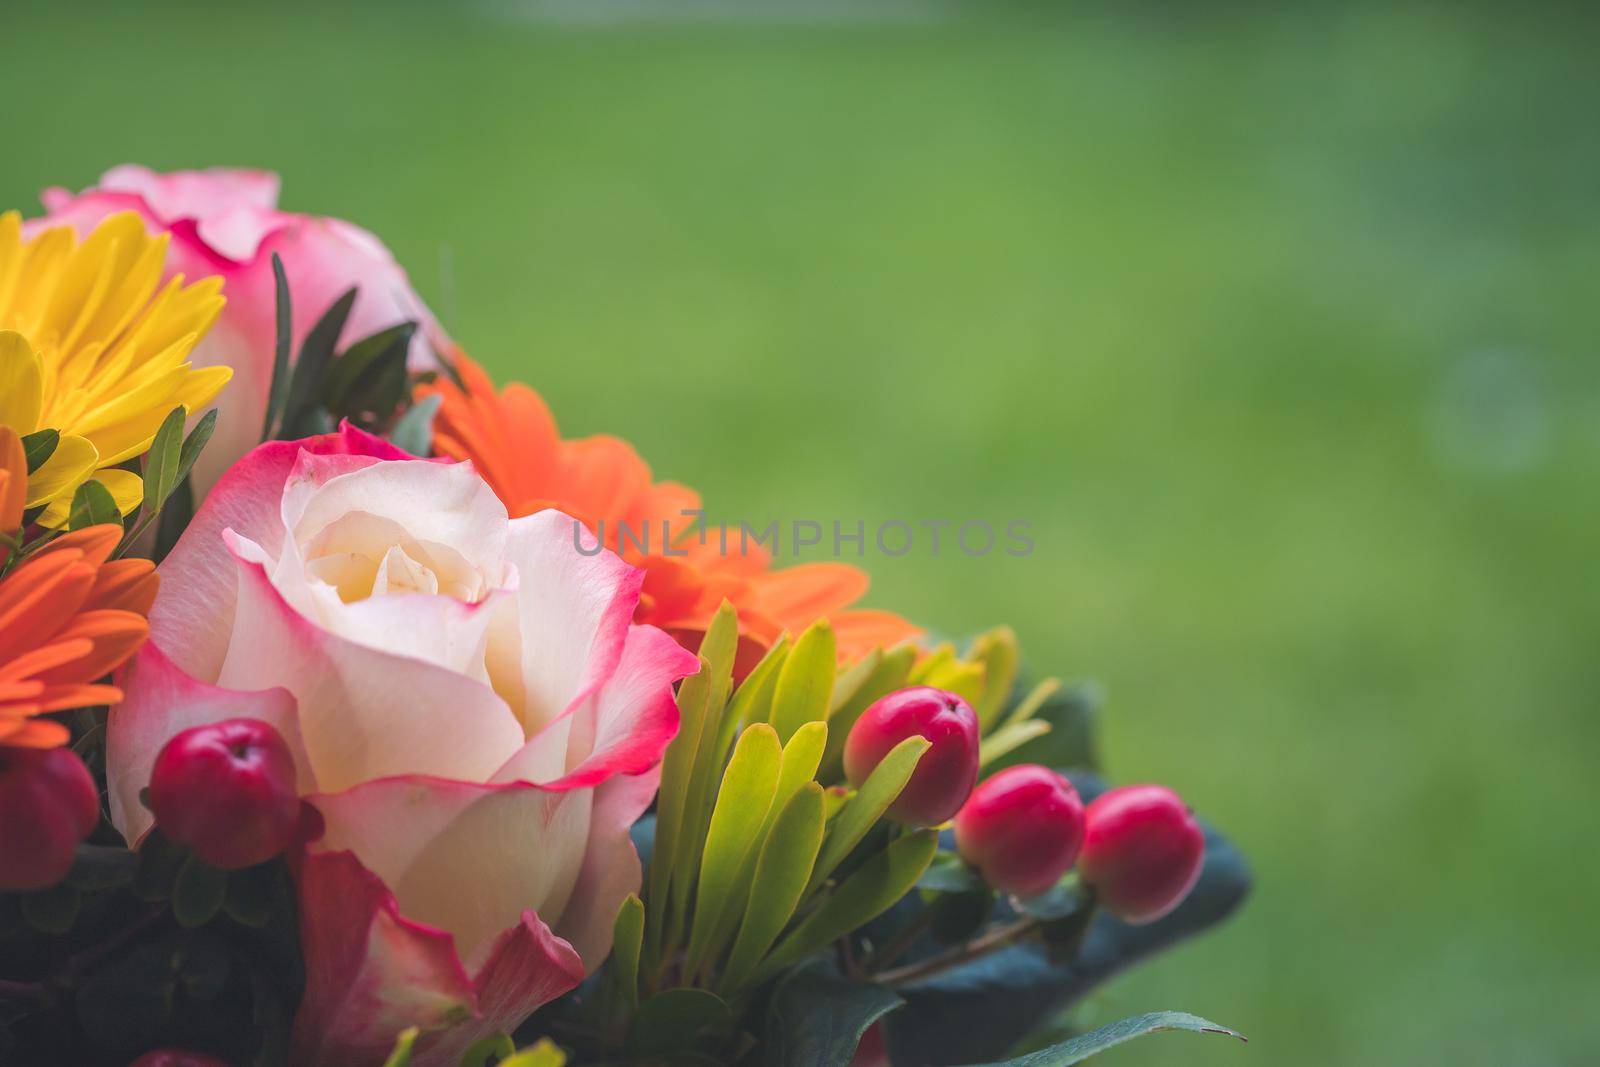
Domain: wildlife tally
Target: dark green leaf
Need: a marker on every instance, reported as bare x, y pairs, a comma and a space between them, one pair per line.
311, 369
161, 463
199, 893
816, 1017
99, 867
949, 873
414, 432
40, 446
160, 860
53, 910
955, 917
195, 443
92, 505
677, 1021
1096, 1041
251, 894
278, 393
174, 519
371, 375
1057, 902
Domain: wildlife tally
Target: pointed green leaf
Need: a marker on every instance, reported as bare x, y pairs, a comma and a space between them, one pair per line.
491, 1048
786, 860
199, 893
370, 376
174, 520
401, 1055
92, 505
997, 651
866, 894
544, 1053
413, 433
40, 446
1008, 738
626, 940
677, 1022
278, 391
817, 1017
864, 809
753, 701
194, 444
677, 766
740, 813
311, 369
162, 461
805, 681
1095, 1042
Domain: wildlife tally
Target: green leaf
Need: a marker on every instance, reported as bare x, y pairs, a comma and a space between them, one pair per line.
195, 444
1009, 738
251, 894
626, 941
174, 519
864, 809
40, 446
735, 832
311, 369
278, 392
677, 766
199, 893
786, 860
949, 873
997, 651
1072, 713
160, 860
753, 701
866, 894
544, 1053
888, 674
413, 433
1096, 1041
92, 505
805, 681
479, 1053
401, 1056
101, 867
371, 374
53, 910
817, 1016
162, 461
677, 1021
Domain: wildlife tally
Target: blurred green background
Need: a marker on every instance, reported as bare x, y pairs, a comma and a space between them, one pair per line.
1279, 326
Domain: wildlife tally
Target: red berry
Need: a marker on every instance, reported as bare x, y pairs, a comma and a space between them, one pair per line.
48, 804
1142, 852
227, 790
1022, 829
176, 1057
944, 775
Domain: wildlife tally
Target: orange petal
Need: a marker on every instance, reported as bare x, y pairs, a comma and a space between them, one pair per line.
799, 596
39, 597
125, 584
35, 733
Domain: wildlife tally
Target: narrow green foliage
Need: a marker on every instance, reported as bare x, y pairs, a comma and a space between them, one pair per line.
162, 462
866, 894
370, 377
864, 809
1001, 658
805, 681
278, 392
544, 1053
403, 1042
676, 768
490, 1049
735, 832
753, 702
92, 505
1029, 705
311, 369
414, 431
626, 942
1095, 1042
193, 445
1009, 738
787, 858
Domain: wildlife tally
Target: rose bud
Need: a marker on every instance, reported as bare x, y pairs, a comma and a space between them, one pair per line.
1142, 851
48, 804
944, 775
1022, 829
175, 1057
227, 790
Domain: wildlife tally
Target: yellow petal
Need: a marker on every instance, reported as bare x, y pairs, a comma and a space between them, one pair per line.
73, 460
21, 383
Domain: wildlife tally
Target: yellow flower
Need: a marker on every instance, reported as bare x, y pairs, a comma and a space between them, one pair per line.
90, 348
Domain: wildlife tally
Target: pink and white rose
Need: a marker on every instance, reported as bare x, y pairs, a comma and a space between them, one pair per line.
226, 222
471, 711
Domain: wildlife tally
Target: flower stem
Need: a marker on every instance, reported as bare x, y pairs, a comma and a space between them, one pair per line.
995, 939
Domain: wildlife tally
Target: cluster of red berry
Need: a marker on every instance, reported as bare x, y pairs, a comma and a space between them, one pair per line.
1139, 847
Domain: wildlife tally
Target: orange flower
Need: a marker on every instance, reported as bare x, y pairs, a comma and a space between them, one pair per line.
511, 439
68, 618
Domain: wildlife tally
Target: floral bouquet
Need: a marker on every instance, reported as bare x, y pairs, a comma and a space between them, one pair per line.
351, 715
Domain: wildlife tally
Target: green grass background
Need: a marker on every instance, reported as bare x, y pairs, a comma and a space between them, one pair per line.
1280, 327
